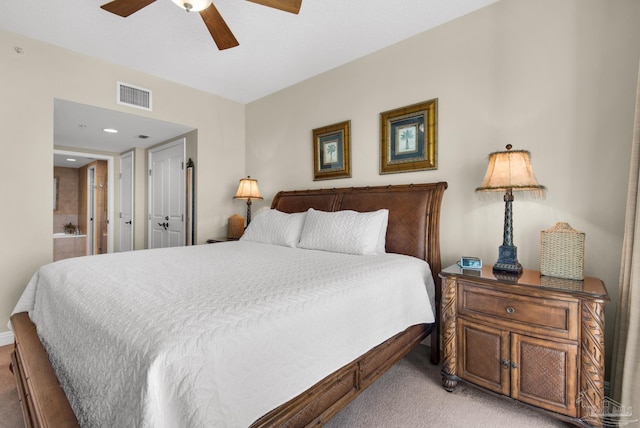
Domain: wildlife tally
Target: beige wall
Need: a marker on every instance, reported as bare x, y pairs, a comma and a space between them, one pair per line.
29, 83
554, 77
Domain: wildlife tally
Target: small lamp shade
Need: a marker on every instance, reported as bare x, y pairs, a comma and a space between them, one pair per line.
248, 190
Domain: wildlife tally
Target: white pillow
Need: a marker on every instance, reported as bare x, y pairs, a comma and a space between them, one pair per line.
275, 227
346, 231
381, 247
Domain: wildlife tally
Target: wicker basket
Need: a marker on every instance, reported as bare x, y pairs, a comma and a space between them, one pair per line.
235, 228
562, 252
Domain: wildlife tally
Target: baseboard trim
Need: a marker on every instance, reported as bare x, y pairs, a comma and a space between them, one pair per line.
6, 338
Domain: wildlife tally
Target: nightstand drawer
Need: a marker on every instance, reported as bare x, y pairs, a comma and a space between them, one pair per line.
547, 316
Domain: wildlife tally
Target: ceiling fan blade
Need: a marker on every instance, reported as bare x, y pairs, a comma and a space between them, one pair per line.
125, 8
219, 29
292, 6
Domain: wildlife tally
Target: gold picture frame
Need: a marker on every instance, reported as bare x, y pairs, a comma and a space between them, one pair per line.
332, 151
409, 138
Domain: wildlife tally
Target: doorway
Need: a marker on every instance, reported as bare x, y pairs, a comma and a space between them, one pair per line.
95, 202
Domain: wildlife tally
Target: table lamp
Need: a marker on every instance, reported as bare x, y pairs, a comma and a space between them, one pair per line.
510, 171
248, 190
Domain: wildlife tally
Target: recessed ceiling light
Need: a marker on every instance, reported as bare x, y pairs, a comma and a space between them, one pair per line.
71, 159
110, 130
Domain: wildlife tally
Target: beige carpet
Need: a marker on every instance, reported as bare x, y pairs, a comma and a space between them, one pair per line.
10, 413
410, 395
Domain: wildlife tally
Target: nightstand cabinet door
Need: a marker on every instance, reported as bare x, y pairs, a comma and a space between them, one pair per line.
482, 350
545, 373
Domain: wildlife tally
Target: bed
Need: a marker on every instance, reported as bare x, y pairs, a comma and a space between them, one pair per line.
293, 387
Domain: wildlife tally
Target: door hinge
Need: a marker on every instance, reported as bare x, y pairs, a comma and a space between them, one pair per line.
120, 176
183, 165
120, 215
182, 218
149, 173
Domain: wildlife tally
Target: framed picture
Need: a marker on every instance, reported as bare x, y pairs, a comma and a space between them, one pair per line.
409, 138
332, 151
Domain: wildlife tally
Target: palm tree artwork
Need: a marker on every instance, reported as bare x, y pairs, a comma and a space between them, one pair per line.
330, 149
407, 135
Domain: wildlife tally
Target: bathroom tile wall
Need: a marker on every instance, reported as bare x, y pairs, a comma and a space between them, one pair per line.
67, 211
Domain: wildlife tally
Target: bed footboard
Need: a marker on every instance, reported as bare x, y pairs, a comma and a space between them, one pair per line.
325, 399
43, 401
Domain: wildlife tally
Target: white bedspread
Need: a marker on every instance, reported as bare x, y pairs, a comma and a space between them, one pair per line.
214, 335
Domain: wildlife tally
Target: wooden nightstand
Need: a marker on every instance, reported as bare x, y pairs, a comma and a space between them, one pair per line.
536, 339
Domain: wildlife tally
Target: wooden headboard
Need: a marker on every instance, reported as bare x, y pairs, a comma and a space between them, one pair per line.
414, 214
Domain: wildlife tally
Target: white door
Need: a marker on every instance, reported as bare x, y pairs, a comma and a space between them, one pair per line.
167, 195
126, 202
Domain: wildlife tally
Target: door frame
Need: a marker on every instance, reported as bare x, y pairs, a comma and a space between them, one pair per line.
110, 180
91, 210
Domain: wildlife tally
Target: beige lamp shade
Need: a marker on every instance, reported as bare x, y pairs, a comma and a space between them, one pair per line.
248, 189
510, 169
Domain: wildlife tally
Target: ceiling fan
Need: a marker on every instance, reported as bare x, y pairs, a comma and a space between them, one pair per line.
219, 30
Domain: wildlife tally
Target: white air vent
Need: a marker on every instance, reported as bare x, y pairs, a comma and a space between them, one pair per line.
134, 96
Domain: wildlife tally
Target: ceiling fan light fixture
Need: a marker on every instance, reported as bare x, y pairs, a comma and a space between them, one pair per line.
218, 28
193, 5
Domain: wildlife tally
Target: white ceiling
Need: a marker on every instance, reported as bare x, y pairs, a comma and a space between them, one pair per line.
277, 49
82, 126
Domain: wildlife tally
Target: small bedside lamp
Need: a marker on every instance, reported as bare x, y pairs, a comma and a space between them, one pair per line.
248, 190
510, 171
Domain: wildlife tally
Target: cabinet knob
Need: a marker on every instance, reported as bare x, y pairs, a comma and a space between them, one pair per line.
510, 310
